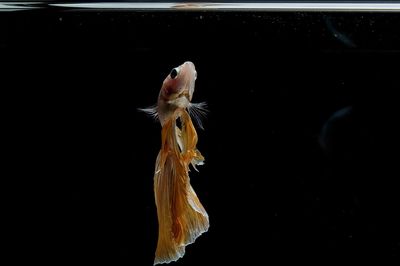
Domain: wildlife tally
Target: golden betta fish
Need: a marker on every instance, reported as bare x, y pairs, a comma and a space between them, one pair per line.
181, 216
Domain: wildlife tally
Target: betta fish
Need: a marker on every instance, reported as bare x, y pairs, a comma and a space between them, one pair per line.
181, 216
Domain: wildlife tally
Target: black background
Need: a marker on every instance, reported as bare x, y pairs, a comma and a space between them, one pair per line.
83, 156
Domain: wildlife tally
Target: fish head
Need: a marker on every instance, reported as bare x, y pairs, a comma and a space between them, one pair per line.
176, 91
178, 86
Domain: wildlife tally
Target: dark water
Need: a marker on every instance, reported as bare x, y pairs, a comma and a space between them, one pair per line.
300, 141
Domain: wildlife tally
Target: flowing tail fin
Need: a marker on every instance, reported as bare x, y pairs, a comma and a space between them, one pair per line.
181, 216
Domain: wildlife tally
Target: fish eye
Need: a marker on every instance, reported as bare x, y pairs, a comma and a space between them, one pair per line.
174, 72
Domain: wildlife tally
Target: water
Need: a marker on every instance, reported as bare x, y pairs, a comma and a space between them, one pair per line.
300, 140
387, 6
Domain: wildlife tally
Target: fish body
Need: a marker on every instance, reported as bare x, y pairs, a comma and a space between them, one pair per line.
181, 216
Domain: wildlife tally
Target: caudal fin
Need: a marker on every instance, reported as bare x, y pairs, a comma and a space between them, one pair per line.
181, 216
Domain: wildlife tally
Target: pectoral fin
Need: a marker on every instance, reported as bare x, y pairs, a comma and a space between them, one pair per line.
151, 110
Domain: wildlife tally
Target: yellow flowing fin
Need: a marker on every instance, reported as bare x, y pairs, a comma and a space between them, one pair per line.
181, 216
197, 220
179, 138
189, 140
167, 248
